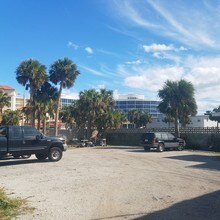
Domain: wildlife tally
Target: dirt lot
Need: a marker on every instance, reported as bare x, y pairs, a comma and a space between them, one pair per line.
118, 183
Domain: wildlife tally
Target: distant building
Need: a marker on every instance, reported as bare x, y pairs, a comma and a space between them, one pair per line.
10, 92
201, 121
66, 102
198, 121
125, 103
21, 101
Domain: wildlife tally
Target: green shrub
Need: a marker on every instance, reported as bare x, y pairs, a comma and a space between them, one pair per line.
12, 207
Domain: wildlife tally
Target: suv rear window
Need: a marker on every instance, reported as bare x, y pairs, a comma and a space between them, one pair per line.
149, 136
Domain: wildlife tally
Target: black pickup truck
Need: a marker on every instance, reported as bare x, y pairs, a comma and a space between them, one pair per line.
23, 141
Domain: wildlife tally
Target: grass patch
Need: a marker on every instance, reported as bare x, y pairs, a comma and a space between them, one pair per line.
12, 207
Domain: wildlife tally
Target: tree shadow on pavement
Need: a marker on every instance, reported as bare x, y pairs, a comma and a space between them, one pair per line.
200, 208
207, 162
13, 162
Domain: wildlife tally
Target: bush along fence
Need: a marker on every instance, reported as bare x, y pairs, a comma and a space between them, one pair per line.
196, 138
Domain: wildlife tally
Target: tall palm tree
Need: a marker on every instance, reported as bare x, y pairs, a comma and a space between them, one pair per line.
31, 74
63, 72
5, 100
45, 99
175, 97
88, 109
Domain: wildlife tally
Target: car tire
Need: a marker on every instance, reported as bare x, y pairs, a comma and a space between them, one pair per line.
41, 156
146, 148
26, 156
180, 147
55, 154
160, 147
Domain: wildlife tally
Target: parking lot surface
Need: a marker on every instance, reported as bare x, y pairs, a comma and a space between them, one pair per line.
117, 183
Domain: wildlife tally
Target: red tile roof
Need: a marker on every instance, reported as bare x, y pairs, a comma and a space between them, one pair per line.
2, 87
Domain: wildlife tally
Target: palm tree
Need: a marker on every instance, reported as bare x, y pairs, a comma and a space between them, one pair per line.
5, 100
11, 117
88, 109
175, 97
31, 74
45, 99
67, 115
62, 72
145, 119
214, 115
95, 110
139, 117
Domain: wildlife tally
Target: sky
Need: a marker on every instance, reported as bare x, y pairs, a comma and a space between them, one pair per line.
128, 46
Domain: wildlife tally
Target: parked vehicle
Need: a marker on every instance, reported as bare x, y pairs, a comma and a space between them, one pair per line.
23, 141
161, 141
92, 143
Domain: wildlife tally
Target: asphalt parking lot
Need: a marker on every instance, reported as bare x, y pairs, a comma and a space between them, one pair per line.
117, 183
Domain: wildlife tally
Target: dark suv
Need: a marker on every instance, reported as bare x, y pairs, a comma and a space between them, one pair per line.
161, 141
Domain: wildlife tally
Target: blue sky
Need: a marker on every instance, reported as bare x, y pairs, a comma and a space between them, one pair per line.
128, 46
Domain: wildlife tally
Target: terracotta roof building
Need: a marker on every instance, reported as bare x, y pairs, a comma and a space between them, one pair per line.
10, 92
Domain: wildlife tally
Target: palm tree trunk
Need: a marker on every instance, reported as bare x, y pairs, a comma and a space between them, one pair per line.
32, 115
38, 120
57, 110
44, 125
177, 132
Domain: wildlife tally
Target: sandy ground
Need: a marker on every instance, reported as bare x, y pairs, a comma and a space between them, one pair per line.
117, 183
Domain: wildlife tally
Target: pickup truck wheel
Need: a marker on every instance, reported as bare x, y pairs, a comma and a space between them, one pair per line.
41, 156
55, 154
160, 147
26, 156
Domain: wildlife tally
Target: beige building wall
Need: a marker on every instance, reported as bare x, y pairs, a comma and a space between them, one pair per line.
12, 93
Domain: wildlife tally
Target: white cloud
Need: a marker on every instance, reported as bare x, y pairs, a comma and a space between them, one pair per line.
100, 86
152, 79
135, 62
202, 72
157, 47
71, 44
126, 10
69, 95
89, 50
94, 72
196, 25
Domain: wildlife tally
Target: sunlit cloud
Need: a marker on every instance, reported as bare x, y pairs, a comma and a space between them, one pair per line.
71, 44
135, 62
162, 47
94, 72
89, 50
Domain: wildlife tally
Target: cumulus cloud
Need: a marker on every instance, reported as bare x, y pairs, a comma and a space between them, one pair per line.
152, 79
155, 48
69, 95
89, 50
202, 72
